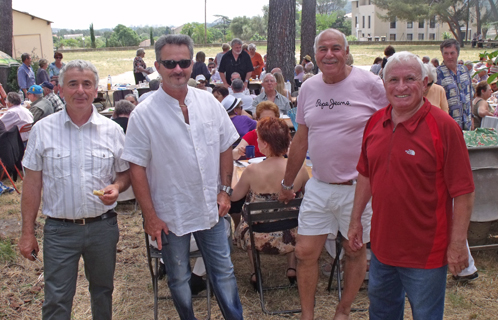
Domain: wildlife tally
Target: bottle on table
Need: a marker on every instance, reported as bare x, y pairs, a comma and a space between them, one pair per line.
109, 82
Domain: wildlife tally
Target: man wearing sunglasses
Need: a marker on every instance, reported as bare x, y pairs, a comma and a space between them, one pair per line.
179, 146
235, 60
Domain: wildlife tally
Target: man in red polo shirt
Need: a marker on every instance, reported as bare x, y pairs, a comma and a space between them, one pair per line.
414, 164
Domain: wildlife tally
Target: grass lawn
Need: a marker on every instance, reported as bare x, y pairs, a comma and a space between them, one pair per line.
21, 289
117, 62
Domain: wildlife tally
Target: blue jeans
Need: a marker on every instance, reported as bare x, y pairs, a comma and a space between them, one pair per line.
63, 245
215, 251
387, 285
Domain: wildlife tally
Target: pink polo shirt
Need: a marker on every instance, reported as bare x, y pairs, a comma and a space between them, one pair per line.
335, 115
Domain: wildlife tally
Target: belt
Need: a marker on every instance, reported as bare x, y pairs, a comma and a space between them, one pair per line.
108, 215
347, 183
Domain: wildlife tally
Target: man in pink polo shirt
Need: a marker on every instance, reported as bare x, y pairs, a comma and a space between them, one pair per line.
333, 108
415, 166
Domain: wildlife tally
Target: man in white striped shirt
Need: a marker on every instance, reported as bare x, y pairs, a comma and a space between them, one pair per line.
70, 154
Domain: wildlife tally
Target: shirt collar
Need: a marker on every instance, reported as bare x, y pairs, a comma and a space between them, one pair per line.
94, 117
412, 123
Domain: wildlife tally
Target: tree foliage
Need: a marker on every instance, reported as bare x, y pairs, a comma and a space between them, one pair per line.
92, 36
151, 36
123, 37
451, 12
335, 20
222, 24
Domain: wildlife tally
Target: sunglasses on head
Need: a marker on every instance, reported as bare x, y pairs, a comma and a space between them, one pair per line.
171, 64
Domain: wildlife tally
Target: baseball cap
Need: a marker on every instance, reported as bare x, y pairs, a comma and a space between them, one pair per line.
35, 89
200, 78
230, 102
47, 84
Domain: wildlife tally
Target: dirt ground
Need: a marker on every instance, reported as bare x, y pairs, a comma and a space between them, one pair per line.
21, 289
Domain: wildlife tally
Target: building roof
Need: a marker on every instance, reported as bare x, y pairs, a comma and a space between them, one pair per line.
32, 16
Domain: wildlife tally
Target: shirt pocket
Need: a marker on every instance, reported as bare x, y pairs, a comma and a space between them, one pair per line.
102, 163
58, 162
209, 133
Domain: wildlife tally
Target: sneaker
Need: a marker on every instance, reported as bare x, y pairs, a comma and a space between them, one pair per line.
470, 277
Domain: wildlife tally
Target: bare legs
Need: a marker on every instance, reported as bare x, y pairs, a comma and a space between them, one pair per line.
308, 250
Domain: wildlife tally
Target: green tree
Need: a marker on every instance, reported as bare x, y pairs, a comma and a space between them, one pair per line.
240, 27
123, 37
151, 36
222, 24
92, 36
452, 12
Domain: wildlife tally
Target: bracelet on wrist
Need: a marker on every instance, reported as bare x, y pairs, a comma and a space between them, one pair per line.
286, 187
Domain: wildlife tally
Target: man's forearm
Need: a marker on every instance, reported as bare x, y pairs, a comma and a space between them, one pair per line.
362, 195
30, 200
297, 154
141, 189
223, 78
461, 216
226, 167
122, 180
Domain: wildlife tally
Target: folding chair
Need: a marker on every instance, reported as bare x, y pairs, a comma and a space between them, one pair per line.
154, 254
336, 266
266, 217
120, 95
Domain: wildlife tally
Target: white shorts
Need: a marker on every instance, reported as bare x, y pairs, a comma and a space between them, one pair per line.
326, 209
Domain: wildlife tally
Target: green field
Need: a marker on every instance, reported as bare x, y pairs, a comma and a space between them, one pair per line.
117, 62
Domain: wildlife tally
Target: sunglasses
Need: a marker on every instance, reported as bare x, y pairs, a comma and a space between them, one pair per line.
171, 64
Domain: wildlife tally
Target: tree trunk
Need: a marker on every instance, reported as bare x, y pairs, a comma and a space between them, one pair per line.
478, 17
494, 11
281, 37
308, 29
6, 35
6, 29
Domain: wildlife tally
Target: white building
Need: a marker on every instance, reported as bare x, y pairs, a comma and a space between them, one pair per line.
367, 25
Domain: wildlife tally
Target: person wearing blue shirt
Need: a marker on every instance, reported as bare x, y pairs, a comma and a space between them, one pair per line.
25, 74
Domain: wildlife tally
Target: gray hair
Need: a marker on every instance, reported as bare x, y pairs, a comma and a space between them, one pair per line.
235, 41
450, 43
13, 97
123, 107
80, 65
131, 95
42, 62
24, 56
237, 85
231, 76
140, 51
309, 67
154, 84
268, 74
299, 68
431, 72
401, 57
176, 39
251, 46
317, 38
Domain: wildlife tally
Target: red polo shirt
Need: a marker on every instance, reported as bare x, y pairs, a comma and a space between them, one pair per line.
415, 170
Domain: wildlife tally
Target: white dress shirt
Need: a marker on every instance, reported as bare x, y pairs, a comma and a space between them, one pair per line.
182, 160
246, 100
17, 116
75, 161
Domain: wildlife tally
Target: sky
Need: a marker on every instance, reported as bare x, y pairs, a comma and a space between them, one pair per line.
108, 14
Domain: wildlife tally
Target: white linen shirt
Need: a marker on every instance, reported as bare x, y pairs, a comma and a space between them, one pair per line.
75, 161
182, 160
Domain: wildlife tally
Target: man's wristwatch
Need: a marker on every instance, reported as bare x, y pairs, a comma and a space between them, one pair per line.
227, 189
286, 187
